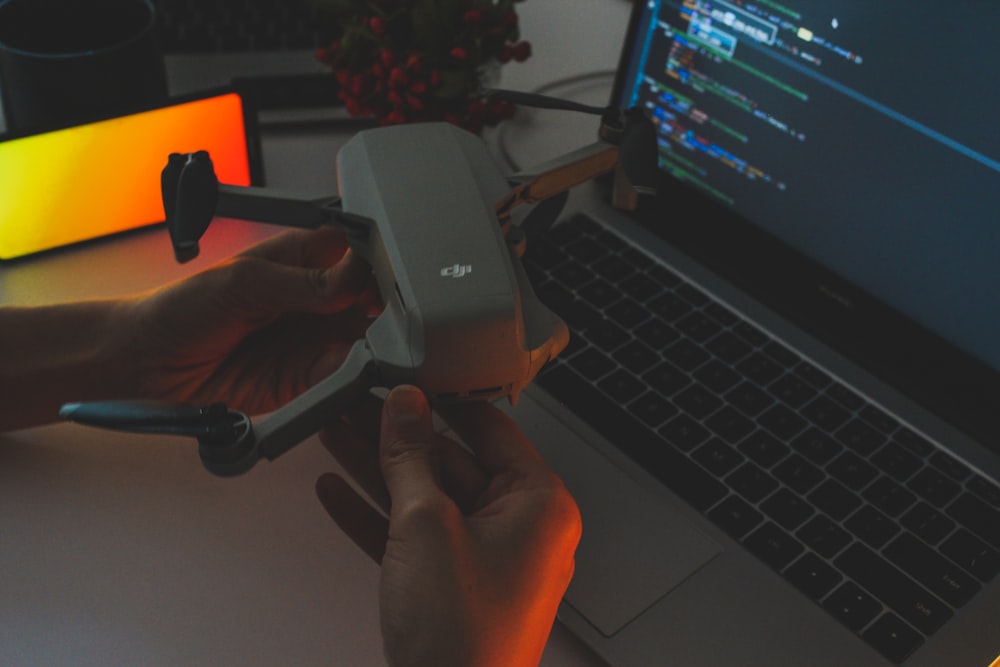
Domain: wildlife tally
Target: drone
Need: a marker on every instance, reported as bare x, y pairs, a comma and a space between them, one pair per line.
430, 210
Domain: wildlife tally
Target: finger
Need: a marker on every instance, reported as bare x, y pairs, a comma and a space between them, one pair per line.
498, 443
461, 475
314, 248
366, 527
407, 449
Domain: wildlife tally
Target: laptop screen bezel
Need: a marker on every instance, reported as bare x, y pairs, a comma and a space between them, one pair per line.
912, 359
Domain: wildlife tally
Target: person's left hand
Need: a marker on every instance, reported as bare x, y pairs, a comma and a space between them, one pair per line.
254, 331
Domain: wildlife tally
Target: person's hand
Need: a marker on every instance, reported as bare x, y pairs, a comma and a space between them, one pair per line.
253, 331
477, 550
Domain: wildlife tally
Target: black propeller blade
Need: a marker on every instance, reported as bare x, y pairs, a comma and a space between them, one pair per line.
190, 194
214, 421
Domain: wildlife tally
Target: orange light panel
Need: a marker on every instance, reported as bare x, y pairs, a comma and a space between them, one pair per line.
93, 180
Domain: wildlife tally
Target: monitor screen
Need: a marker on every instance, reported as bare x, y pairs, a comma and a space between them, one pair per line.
862, 134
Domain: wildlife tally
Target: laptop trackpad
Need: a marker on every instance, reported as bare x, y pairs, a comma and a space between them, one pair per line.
635, 548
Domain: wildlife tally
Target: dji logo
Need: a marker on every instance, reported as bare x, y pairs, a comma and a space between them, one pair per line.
456, 271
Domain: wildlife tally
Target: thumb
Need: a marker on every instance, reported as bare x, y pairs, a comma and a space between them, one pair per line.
409, 464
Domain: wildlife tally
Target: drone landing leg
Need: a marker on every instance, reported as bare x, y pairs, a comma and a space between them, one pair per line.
298, 419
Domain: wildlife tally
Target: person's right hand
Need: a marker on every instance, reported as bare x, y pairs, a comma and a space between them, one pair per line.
477, 550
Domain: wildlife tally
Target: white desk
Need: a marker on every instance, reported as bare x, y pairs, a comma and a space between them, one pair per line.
118, 549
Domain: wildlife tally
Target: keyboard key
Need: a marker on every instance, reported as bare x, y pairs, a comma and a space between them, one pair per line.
793, 390
717, 457
729, 424
636, 356
751, 334
609, 239
599, 293
879, 419
763, 448
663, 275
889, 496
773, 546
698, 326
728, 347
782, 422
667, 378
853, 471
852, 606
640, 287
692, 294
938, 574
621, 386
933, 487
751, 482
812, 375
871, 527
825, 413
977, 516
949, 466
670, 307
684, 433
833, 498
893, 638
816, 446
896, 461
652, 409
798, 474
573, 274
860, 437
781, 354
749, 398
845, 396
587, 250
717, 376
656, 333
972, 554
676, 471
927, 523
985, 489
686, 355
812, 576
613, 268
606, 335
721, 314
824, 536
639, 259
698, 401
760, 369
628, 313
592, 364
900, 593
787, 509
913, 442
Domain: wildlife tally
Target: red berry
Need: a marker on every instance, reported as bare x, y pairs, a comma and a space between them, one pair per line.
521, 51
459, 54
377, 25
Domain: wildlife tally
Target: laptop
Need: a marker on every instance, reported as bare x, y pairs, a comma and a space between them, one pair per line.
778, 409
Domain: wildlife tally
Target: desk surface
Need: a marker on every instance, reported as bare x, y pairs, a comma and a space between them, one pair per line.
121, 550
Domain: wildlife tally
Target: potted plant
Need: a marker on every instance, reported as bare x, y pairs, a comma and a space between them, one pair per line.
404, 61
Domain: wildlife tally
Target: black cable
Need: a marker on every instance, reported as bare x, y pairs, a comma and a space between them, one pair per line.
544, 89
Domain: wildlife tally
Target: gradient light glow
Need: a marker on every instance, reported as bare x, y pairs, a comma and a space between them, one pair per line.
92, 180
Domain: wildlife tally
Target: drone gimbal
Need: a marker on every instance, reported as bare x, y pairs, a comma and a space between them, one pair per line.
429, 209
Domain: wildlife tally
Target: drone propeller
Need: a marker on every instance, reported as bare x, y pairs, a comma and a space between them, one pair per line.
190, 192
215, 422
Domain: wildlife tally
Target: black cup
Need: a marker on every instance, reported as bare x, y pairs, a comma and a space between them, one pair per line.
70, 61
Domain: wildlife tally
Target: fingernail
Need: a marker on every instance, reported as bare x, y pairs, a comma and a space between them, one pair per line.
406, 404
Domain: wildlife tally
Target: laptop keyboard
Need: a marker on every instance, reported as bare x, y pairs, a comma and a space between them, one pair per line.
891, 535
198, 26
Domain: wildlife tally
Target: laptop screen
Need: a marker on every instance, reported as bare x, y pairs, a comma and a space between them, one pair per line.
861, 134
